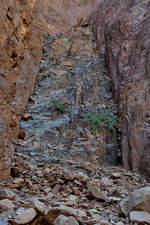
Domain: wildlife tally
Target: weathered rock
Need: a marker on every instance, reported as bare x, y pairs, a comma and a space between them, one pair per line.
122, 32
17, 183
6, 204
64, 220
140, 217
25, 217
27, 116
68, 176
53, 213
137, 200
120, 223
38, 206
94, 189
7, 193
20, 58
104, 222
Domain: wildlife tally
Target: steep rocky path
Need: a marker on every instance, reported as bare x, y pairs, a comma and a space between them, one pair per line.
72, 83
57, 173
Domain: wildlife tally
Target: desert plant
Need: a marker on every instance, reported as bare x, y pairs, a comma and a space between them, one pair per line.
57, 105
105, 120
47, 37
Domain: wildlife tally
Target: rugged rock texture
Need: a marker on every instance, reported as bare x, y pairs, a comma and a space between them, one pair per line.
22, 24
52, 16
19, 62
122, 31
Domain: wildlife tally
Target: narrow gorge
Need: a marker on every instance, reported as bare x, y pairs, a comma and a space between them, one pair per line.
74, 112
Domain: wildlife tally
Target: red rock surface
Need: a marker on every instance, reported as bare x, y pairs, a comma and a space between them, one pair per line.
122, 29
22, 25
19, 64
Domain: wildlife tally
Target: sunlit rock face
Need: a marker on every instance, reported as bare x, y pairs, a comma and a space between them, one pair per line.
19, 62
122, 30
22, 26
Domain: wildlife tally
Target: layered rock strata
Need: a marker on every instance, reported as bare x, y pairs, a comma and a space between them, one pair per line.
22, 26
122, 32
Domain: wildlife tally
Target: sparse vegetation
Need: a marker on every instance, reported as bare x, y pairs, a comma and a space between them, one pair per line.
57, 105
47, 37
105, 120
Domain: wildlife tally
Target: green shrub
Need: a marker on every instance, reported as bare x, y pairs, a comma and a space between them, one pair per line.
47, 37
105, 120
56, 105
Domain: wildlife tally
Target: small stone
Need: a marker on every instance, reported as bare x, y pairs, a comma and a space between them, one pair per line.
104, 222
120, 223
114, 199
76, 190
140, 217
54, 212
6, 204
17, 183
38, 206
26, 216
91, 211
47, 190
64, 220
27, 116
7, 193
15, 171
39, 173
56, 189
72, 197
106, 182
91, 222
115, 175
68, 176
94, 189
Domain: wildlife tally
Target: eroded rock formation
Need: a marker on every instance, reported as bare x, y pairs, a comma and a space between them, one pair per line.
22, 25
19, 62
122, 32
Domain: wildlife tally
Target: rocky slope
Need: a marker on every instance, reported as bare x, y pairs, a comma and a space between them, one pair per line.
122, 31
72, 84
22, 25
53, 195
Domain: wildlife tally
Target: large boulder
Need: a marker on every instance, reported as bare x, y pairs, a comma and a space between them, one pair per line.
137, 200
122, 29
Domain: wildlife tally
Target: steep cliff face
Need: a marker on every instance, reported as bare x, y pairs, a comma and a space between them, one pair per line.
19, 63
22, 25
122, 29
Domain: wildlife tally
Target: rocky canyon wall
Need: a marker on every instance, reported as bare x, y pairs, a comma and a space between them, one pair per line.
122, 29
19, 64
22, 26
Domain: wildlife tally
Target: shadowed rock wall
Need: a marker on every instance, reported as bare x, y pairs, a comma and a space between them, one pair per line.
122, 29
